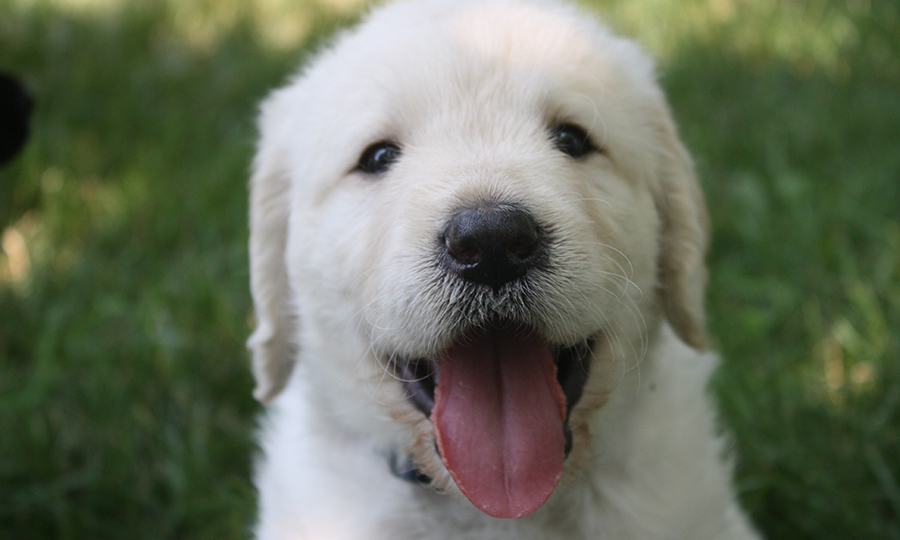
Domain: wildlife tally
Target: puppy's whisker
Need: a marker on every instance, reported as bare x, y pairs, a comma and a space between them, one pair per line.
581, 198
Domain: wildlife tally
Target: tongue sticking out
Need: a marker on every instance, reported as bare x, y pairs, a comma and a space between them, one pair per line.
499, 416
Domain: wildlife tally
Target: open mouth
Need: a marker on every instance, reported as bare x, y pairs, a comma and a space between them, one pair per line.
499, 400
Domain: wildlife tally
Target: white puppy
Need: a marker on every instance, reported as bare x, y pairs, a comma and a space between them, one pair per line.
477, 265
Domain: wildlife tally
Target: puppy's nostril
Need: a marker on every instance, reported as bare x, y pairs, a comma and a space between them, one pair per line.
463, 254
523, 245
461, 244
491, 243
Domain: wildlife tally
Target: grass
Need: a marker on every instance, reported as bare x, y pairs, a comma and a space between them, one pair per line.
125, 399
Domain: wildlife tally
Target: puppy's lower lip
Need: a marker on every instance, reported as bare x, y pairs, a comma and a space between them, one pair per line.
420, 376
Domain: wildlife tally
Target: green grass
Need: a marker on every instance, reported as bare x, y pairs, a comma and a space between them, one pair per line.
125, 407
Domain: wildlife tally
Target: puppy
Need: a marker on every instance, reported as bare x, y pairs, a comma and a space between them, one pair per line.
476, 254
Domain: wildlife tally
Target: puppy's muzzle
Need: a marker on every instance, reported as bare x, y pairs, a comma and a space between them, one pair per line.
500, 394
492, 244
495, 245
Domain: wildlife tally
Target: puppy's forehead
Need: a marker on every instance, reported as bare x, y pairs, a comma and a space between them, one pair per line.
528, 36
465, 73
524, 32
494, 53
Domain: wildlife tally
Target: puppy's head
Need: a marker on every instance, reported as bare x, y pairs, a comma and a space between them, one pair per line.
467, 219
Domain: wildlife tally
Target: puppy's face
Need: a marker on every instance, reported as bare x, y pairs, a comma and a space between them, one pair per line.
466, 221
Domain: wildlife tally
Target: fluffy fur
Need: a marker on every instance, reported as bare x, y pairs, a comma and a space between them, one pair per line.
344, 277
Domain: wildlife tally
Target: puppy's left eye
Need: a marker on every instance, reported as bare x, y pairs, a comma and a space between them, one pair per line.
572, 140
378, 157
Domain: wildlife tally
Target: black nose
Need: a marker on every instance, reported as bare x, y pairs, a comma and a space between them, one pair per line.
492, 243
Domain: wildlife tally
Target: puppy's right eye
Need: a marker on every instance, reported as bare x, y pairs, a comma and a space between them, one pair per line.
378, 158
572, 140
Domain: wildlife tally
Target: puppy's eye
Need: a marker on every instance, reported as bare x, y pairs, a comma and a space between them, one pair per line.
379, 157
572, 140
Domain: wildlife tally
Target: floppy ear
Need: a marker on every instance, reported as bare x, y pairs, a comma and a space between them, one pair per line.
271, 345
683, 238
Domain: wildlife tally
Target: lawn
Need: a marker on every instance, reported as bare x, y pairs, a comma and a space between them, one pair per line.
125, 408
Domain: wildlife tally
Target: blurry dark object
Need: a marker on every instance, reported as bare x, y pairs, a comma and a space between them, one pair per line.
15, 108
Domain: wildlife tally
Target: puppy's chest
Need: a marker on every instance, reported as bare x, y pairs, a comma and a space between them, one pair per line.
430, 516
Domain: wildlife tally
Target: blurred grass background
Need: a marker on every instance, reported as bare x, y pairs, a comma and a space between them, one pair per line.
125, 408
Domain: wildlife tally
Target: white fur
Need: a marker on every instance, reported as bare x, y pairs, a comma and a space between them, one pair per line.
344, 277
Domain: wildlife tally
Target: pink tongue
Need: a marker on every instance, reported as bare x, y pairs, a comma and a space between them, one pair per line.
498, 417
